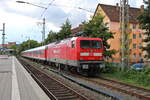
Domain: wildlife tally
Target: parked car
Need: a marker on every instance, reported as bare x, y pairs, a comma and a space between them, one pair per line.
138, 66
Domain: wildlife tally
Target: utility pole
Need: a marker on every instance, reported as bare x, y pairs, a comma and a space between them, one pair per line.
43, 32
125, 43
3, 36
29, 45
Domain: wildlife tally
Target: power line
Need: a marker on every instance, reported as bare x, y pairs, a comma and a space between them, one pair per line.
47, 8
80, 8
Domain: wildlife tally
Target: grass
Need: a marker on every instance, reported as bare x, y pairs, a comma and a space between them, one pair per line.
133, 77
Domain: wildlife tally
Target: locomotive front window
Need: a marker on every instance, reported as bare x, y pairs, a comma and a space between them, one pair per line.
95, 44
85, 44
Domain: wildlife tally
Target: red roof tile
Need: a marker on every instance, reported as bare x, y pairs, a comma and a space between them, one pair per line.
77, 29
113, 13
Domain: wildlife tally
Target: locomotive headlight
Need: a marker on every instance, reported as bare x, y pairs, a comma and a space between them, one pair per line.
84, 54
97, 54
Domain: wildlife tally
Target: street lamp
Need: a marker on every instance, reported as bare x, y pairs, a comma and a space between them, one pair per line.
31, 4
20, 1
43, 32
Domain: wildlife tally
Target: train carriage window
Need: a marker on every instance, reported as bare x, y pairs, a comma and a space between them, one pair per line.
36, 52
73, 44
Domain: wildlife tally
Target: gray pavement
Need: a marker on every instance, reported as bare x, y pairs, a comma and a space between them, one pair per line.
16, 83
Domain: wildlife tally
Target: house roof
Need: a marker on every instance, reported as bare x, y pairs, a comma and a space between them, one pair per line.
76, 30
113, 13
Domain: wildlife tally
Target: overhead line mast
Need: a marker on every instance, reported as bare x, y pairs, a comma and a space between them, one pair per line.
125, 42
3, 36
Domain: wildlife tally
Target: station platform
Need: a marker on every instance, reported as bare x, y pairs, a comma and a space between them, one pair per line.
16, 83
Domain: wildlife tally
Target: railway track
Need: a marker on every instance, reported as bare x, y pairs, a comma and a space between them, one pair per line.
139, 92
53, 88
133, 90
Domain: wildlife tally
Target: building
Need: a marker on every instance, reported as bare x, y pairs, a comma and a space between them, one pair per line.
111, 14
77, 30
9, 44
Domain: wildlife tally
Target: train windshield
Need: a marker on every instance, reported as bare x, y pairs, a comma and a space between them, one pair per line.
95, 44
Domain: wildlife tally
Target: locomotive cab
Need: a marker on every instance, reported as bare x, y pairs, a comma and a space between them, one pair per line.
90, 55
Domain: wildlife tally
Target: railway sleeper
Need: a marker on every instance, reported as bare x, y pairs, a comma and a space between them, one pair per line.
58, 91
57, 88
63, 94
67, 97
147, 94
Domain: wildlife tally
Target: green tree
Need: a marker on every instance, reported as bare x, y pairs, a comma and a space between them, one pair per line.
15, 48
52, 37
144, 20
65, 31
97, 28
28, 45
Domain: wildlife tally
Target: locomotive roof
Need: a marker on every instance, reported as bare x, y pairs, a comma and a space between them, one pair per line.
37, 48
72, 38
62, 41
80, 38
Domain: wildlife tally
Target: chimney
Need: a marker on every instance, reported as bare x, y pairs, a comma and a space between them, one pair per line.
142, 8
117, 6
128, 6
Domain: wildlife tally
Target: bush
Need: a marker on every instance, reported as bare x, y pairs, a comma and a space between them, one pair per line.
132, 76
142, 77
110, 68
146, 71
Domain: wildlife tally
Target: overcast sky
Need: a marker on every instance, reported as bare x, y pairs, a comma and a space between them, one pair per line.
23, 21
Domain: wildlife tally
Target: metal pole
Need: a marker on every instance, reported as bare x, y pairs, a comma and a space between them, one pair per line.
29, 43
43, 32
123, 31
124, 19
3, 36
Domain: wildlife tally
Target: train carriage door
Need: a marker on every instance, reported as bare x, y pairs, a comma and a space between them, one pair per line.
46, 53
67, 51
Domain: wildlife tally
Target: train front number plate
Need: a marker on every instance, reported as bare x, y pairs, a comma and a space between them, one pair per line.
85, 66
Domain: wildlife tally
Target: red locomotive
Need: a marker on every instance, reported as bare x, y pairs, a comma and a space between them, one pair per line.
80, 53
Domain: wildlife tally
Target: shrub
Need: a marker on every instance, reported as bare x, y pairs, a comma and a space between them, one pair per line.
110, 68
146, 71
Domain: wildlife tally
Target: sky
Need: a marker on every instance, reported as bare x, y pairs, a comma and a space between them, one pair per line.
23, 21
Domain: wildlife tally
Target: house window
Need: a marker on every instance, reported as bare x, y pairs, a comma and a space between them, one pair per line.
140, 46
134, 26
134, 55
140, 35
134, 36
134, 46
140, 55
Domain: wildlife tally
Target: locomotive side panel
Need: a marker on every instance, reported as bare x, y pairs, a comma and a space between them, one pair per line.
61, 52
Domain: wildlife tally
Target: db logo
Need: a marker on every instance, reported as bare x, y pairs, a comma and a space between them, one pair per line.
90, 54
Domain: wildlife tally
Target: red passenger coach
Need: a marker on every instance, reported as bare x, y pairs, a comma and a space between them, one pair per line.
80, 53
38, 53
